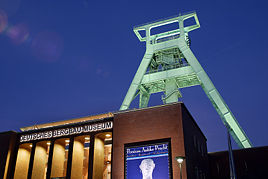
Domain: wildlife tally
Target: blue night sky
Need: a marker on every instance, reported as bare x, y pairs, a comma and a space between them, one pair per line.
67, 59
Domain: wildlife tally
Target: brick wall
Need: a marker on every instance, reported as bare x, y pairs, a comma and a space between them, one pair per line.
148, 124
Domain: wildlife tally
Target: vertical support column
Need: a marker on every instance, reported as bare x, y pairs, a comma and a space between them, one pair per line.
49, 162
30, 169
70, 158
91, 156
144, 97
148, 34
14, 160
171, 91
181, 26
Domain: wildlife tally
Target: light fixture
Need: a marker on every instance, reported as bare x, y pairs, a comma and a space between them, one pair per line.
87, 138
108, 135
48, 143
67, 140
31, 145
180, 159
108, 139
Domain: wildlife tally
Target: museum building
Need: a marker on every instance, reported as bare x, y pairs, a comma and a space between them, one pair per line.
129, 144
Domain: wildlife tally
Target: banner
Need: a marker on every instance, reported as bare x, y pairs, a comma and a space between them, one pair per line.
148, 161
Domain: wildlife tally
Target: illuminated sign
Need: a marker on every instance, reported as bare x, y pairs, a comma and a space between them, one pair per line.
147, 161
66, 131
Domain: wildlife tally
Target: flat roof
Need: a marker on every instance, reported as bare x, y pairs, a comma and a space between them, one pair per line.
69, 121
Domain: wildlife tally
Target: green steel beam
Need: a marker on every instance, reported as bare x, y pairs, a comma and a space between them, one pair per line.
169, 64
137, 80
173, 73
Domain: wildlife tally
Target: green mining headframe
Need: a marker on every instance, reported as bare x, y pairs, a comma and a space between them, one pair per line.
169, 64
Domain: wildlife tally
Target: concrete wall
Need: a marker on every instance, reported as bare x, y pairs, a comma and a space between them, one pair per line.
148, 124
98, 165
40, 160
22, 163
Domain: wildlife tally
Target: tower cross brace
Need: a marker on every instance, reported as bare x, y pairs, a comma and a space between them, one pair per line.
169, 65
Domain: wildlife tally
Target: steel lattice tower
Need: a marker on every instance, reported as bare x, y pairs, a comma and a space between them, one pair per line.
169, 64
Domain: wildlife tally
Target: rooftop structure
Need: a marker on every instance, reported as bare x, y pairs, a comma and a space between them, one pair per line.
169, 65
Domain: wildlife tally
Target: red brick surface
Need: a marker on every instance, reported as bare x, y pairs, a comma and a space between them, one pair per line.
148, 124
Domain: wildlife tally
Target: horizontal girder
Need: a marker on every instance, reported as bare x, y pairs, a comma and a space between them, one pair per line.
184, 76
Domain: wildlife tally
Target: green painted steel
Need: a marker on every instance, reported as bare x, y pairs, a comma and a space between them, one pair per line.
169, 64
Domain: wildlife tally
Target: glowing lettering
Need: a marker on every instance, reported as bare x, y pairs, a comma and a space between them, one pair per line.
66, 131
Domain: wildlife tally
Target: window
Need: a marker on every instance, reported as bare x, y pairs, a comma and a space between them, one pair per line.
40, 159
102, 156
80, 157
60, 158
23, 159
